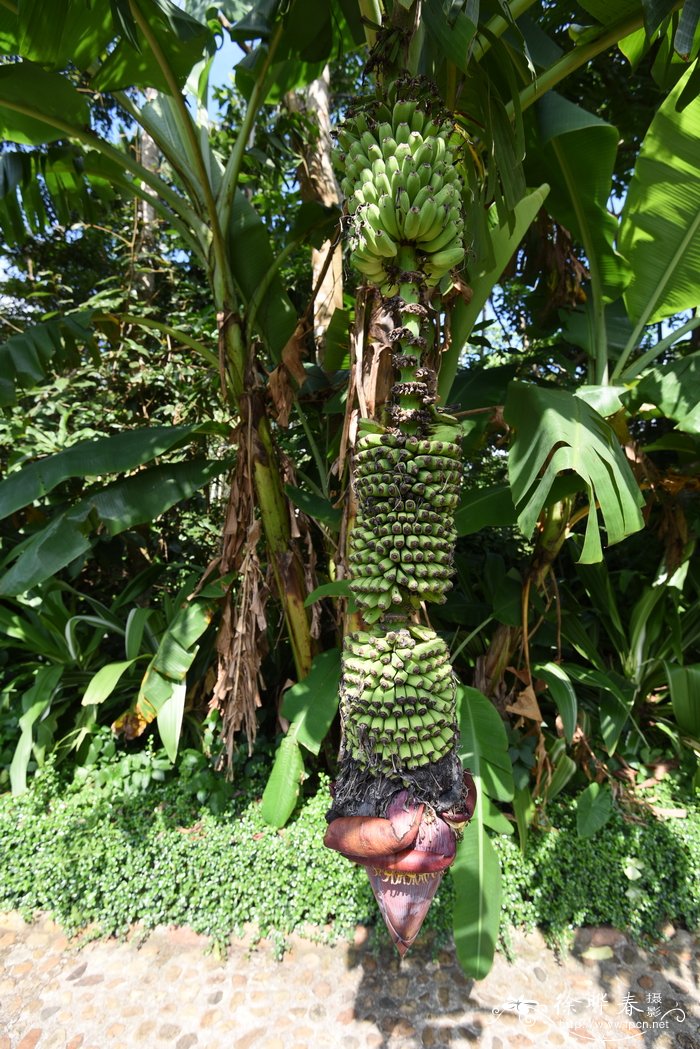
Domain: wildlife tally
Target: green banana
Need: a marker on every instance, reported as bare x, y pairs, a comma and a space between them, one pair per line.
451, 233
402, 112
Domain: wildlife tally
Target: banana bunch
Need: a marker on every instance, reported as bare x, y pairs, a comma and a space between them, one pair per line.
402, 543
397, 699
402, 188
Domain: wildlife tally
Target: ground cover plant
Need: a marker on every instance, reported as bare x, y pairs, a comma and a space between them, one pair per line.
109, 855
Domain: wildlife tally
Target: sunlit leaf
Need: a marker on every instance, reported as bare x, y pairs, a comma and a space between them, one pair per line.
557, 432
284, 785
593, 809
476, 871
34, 703
170, 719
559, 684
104, 682
675, 389
660, 225
36, 106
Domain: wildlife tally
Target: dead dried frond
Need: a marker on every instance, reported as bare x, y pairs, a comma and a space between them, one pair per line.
242, 637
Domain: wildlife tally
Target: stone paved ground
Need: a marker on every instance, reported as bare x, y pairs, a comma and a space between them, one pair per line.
169, 992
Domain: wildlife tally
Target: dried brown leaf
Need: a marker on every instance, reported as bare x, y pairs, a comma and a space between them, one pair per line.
281, 393
526, 705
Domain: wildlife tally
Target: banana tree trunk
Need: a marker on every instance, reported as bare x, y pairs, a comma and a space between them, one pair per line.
275, 510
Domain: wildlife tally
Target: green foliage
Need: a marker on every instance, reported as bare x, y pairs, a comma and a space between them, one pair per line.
577, 151
593, 809
127, 843
500, 243
660, 227
684, 688
476, 873
90, 356
79, 685
566, 881
310, 706
555, 432
123, 855
564, 695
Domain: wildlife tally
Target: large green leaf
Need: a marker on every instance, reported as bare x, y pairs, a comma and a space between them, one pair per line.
121, 505
660, 225
675, 390
34, 703
284, 785
483, 275
490, 507
556, 432
310, 706
178, 42
484, 744
559, 684
77, 31
32, 99
684, 687
252, 260
103, 683
27, 359
476, 871
577, 152
476, 916
593, 809
106, 455
170, 718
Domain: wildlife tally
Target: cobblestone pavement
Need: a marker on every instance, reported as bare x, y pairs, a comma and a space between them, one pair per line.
170, 992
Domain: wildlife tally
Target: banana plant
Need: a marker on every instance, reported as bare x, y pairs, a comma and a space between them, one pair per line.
492, 72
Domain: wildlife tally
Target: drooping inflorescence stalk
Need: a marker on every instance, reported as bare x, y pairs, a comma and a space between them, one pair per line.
399, 752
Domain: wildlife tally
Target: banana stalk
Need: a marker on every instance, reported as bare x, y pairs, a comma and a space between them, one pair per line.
401, 797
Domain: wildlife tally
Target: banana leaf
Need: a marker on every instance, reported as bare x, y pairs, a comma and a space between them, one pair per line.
310, 705
94, 458
556, 432
660, 224
476, 871
119, 506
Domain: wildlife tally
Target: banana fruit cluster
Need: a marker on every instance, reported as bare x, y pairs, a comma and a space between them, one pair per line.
397, 699
402, 543
402, 188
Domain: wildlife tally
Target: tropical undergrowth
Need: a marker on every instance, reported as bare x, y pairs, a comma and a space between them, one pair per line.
134, 842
